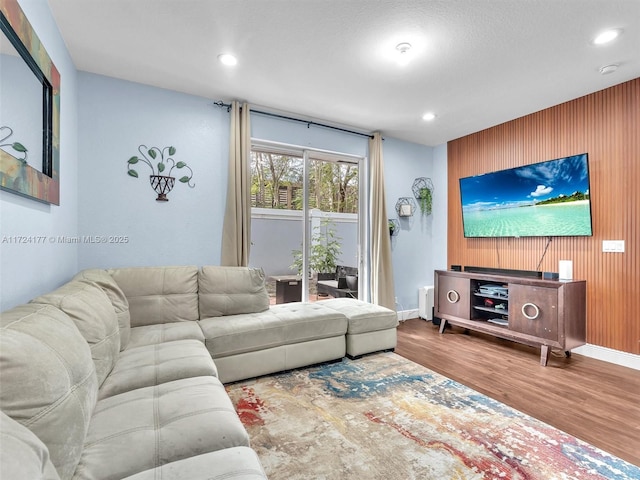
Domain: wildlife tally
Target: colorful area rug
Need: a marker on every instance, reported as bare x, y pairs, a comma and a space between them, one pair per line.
385, 417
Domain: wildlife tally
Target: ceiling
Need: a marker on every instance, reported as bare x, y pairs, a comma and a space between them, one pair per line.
475, 64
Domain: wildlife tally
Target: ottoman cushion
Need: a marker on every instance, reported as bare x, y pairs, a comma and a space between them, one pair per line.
363, 317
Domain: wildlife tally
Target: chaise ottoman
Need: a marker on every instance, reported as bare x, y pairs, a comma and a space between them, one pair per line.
371, 328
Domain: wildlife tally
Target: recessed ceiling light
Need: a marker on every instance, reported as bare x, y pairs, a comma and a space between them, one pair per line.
429, 116
403, 53
607, 36
227, 59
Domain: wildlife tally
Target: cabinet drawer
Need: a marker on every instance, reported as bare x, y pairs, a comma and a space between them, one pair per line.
453, 296
534, 311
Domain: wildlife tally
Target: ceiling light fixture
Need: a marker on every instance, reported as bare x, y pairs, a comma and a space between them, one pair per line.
227, 59
607, 36
404, 56
429, 116
608, 69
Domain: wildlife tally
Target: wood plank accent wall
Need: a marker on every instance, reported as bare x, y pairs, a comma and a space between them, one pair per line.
606, 125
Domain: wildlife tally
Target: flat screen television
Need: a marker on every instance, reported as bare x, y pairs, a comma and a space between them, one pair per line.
546, 199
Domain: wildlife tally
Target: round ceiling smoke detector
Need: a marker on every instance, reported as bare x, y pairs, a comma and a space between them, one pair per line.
607, 69
403, 49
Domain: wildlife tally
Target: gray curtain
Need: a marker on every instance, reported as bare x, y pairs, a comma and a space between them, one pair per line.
382, 289
236, 230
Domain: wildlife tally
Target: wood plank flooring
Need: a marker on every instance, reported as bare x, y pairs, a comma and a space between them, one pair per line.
596, 401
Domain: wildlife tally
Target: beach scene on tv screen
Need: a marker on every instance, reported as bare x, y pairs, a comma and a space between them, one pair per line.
543, 199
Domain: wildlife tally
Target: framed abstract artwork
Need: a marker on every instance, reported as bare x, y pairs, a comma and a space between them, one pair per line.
29, 110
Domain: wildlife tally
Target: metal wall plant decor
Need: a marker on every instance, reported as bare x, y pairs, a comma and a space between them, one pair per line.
423, 191
405, 206
161, 182
394, 227
39, 178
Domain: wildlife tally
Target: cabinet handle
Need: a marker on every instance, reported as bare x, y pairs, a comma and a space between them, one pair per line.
535, 308
453, 296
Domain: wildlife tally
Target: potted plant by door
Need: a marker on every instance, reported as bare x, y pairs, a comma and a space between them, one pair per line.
323, 254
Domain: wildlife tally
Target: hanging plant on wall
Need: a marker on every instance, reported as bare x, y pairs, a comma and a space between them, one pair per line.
161, 180
394, 227
423, 191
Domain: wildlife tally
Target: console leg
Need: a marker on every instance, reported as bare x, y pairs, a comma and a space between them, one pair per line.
443, 324
545, 353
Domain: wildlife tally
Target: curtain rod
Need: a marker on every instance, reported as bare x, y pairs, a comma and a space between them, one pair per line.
221, 104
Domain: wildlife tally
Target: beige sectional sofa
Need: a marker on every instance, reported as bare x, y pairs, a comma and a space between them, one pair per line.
119, 373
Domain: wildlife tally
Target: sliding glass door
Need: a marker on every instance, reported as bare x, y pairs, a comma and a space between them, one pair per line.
306, 231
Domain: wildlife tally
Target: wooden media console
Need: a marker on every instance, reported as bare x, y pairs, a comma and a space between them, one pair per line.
541, 313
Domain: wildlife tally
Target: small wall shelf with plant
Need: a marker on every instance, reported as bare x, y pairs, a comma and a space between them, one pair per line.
394, 227
405, 206
423, 191
162, 184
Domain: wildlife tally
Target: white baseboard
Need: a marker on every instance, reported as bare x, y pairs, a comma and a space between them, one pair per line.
610, 355
407, 314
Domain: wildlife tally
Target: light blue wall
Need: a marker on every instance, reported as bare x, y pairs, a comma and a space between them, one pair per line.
29, 269
412, 248
296, 133
115, 118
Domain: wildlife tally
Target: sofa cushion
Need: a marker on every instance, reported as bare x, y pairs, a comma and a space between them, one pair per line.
165, 332
90, 309
236, 463
22, 454
155, 364
281, 325
159, 294
363, 317
118, 299
231, 290
49, 382
149, 427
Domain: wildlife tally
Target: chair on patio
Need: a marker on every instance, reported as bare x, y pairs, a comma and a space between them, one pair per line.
344, 283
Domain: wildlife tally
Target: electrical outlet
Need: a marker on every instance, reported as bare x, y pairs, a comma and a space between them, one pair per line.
613, 246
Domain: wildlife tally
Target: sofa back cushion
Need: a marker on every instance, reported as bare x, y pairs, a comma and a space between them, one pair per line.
231, 290
159, 294
91, 310
23, 455
118, 299
49, 382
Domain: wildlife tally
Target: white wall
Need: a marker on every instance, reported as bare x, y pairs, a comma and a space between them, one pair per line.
115, 118
29, 269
